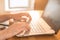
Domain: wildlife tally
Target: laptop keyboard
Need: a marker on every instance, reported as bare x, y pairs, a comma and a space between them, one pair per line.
40, 27
36, 27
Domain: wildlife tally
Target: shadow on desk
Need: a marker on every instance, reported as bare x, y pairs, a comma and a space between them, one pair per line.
35, 38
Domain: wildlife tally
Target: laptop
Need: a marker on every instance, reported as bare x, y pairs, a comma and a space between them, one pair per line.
38, 25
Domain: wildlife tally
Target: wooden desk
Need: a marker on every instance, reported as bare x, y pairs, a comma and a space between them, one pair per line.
46, 37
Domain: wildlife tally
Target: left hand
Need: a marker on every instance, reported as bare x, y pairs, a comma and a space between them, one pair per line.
18, 16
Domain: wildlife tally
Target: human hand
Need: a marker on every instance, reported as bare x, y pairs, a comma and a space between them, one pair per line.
19, 26
21, 16
15, 29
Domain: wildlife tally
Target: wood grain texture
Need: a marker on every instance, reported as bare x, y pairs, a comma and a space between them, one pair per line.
45, 37
40, 4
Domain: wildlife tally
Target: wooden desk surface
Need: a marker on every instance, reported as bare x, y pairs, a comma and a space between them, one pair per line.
46, 37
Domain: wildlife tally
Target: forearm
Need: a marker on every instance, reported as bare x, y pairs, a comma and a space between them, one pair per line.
8, 34
5, 17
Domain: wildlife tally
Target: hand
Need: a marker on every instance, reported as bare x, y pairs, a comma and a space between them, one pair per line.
19, 17
24, 31
14, 29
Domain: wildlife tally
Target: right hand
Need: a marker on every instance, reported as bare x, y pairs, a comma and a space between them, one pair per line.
19, 27
15, 29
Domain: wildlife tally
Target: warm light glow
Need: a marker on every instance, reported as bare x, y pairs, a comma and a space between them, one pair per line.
35, 15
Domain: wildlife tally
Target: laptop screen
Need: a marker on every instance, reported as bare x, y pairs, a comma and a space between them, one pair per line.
14, 5
52, 16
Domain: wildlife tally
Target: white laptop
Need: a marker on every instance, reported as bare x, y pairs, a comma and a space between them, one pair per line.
39, 26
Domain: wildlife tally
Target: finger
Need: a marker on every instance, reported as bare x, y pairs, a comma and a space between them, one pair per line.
27, 29
17, 17
27, 26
